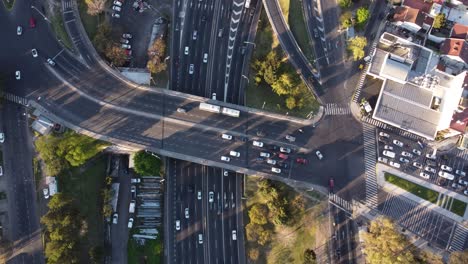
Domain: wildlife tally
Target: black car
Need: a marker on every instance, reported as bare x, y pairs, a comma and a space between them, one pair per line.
283, 165
261, 133
274, 148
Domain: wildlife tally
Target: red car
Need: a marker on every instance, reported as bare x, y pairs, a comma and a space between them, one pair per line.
302, 161
283, 156
32, 22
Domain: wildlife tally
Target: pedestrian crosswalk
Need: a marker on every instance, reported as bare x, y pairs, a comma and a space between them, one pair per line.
16, 99
457, 243
369, 165
374, 122
463, 154
363, 75
336, 109
340, 202
392, 129
67, 4
424, 222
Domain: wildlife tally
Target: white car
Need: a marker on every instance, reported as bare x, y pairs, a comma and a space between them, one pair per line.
394, 164
265, 154
425, 175
387, 147
19, 30
200, 238
446, 175
127, 35
186, 50
115, 15
398, 143
226, 136
213, 96
446, 168
124, 41
224, 158
290, 138
45, 191
2, 137
456, 186
226, 173
191, 68
34, 53
383, 160
465, 192
117, 8
115, 218
205, 58
275, 170
234, 153
404, 160
199, 195
460, 172
234, 235
417, 165
211, 196
319, 154
177, 225
187, 215
462, 182
285, 150
51, 62
130, 222
430, 169
257, 144
117, 3
1, 171
406, 154
194, 35
271, 161
383, 134
430, 156
417, 152
126, 46
18, 75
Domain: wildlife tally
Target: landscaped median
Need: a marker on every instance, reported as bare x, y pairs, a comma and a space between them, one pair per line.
457, 207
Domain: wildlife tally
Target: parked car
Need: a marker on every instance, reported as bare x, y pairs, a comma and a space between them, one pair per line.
417, 152
394, 164
234, 153
226, 136
135, 180
446, 175
117, 8
271, 161
117, 3
302, 161
32, 22
383, 134
404, 160
124, 41
430, 169
425, 175
127, 35
2, 137
126, 46
257, 143
462, 182
275, 170
319, 154
387, 147
398, 143
50, 62
290, 138
45, 191
406, 154
430, 156
417, 165
446, 168
115, 15
283, 156
130, 222
431, 162
285, 150
382, 159
460, 172
115, 218
224, 158
456, 186
265, 154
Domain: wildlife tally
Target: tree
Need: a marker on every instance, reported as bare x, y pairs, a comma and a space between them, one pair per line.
345, 3
309, 256
106, 203
346, 19
439, 21
254, 254
96, 253
251, 231
156, 54
383, 244
362, 16
291, 102
155, 65
102, 39
77, 148
356, 45
116, 55
258, 214
95, 7
459, 257
147, 164
47, 147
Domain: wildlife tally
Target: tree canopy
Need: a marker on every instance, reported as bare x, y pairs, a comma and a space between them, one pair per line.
95, 7
439, 21
356, 46
383, 244
362, 16
346, 19
116, 54
147, 164
156, 55
459, 257
345, 3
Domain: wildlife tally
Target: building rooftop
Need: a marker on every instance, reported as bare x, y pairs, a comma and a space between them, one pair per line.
455, 47
459, 31
408, 14
418, 4
460, 120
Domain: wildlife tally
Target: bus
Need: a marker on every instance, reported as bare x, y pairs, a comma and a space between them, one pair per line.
231, 112
210, 108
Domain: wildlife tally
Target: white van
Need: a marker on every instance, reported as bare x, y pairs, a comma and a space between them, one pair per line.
226, 136
446, 175
389, 154
234, 153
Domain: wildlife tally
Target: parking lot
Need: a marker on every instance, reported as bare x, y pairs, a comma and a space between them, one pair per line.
414, 157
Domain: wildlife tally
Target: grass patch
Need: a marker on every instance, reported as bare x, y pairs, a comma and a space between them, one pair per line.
60, 32
299, 29
9, 4
285, 6
90, 23
289, 241
84, 184
458, 207
37, 171
418, 190
150, 252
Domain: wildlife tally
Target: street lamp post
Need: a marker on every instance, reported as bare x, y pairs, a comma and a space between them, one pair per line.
45, 18
248, 42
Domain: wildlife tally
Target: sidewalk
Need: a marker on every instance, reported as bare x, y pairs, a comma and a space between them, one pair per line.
381, 169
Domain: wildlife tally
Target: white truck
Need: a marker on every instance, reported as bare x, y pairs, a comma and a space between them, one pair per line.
131, 208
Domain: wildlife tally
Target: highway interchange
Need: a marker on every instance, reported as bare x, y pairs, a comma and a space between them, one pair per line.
91, 97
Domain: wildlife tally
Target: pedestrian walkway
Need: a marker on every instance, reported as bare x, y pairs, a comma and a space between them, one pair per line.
340, 202
357, 94
463, 154
459, 237
392, 129
67, 5
374, 122
337, 109
369, 165
16, 99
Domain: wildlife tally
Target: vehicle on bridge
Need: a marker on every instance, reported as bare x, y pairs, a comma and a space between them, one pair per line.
210, 108
231, 112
